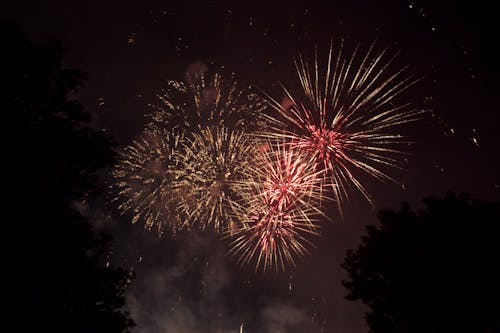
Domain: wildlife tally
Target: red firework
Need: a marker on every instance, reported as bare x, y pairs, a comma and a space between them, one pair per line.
279, 208
346, 123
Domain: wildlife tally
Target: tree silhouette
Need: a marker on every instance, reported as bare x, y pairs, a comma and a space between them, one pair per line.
435, 271
55, 280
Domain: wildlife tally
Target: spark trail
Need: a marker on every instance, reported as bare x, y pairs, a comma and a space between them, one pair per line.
212, 165
281, 203
143, 179
344, 118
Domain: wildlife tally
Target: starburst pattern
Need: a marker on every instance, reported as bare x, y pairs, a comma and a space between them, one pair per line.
203, 100
212, 164
280, 204
209, 158
143, 180
344, 119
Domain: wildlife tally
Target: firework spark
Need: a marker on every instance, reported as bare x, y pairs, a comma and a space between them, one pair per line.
206, 100
143, 180
211, 166
345, 123
165, 175
279, 208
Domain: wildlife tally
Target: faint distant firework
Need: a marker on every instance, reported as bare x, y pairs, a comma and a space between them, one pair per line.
344, 117
213, 163
144, 177
281, 202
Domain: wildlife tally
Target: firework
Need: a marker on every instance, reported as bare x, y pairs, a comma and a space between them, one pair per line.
281, 201
180, 172
213, 163
344, 118
216, 116
143, 180
202, 101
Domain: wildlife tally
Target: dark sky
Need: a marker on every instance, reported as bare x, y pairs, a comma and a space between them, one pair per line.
131, 48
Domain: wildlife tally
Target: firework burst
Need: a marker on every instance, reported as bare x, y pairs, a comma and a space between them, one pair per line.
183, 166
202, 101
212, 164
281, 201
216, 115
143, 180
344, 118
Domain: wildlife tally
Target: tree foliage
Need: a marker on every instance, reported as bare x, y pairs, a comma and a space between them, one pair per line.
55, 278
433, 271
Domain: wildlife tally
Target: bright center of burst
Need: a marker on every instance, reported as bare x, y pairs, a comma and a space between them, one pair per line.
322, 141
218, 186
279, 195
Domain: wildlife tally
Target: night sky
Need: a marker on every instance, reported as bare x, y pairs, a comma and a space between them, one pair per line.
188, 284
